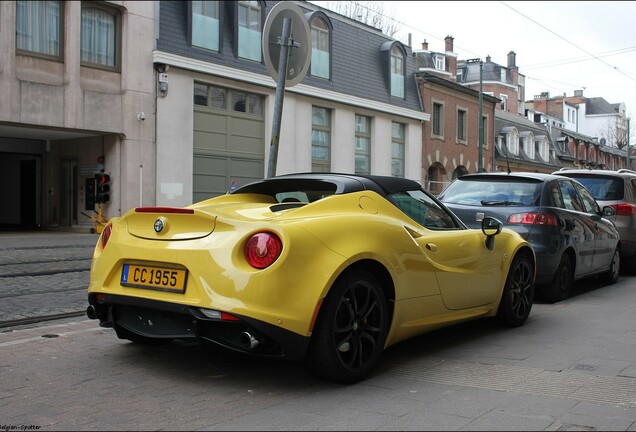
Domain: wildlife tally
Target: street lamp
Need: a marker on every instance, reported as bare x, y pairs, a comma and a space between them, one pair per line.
480, 165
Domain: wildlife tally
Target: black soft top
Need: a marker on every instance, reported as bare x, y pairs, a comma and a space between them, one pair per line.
339, 183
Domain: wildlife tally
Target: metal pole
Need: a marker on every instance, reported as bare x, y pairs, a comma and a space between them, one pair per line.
628, 161
481, 117
280, 93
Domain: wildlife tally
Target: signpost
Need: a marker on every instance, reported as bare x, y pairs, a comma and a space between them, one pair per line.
287, 52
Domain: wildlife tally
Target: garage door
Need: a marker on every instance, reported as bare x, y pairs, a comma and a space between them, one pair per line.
229, 140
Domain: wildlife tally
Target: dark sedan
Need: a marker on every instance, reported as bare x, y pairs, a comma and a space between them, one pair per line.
568, 230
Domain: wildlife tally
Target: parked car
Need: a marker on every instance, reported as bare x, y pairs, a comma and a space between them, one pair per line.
326, 268
616, 189
571, 235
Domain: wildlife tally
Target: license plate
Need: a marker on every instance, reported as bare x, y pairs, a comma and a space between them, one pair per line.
153, 277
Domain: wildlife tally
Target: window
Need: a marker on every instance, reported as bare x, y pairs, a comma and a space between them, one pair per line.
397, 72
440, 62
249, 36
512, 142
38, 25
223, 99
319, 48
99, 36
544, 149
588, 201
397, 149
205, 24
320, 139
461, 125
529, 147
438, 110
200, 94
504, 101
363, 145
571, 200
424, 210
484, 126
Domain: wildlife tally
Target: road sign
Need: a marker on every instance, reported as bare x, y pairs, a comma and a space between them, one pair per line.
299, 42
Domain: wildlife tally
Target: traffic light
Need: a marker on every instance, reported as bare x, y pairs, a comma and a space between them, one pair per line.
103, 188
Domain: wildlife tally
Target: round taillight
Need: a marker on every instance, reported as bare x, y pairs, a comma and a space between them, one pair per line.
262, 249
106, 234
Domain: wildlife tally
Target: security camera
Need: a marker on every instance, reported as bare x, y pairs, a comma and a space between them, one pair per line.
141, 116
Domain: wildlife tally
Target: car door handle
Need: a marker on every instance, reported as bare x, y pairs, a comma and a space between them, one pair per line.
431, 246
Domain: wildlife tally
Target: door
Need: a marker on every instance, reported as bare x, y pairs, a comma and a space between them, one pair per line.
606, 237
68, 192
579, 226
468, 273
28, 193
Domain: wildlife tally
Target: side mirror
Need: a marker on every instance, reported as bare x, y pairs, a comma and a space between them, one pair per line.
609, 211
491, 227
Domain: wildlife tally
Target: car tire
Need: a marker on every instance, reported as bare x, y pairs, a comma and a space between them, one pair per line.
123, 333
628, 265
561, 285
350, 331
518, 293
611, 276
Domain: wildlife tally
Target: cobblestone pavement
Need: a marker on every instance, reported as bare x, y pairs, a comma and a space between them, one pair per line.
43, 274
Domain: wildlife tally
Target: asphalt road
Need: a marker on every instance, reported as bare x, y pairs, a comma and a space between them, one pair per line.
572, 366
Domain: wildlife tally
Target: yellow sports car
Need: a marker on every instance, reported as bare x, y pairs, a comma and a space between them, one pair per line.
328, 269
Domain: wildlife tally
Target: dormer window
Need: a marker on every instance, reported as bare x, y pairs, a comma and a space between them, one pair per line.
526, 141
205, 24
440, 62
320, 47
249, 30
397, 72
511, 136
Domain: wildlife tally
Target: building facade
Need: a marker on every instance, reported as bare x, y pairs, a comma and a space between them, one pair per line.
357, 109
75, 78
176, 103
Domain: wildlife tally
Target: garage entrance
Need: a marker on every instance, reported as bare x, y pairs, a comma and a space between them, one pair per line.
229, 144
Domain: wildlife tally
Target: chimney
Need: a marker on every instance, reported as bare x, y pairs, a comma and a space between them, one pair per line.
449, 43
488, 58
578, 93
512, 60
424, 45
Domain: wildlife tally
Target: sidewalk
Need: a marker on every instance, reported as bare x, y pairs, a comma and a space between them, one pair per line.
43, 274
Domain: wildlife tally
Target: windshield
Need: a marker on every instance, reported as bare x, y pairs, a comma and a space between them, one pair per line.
602, 188
491, 191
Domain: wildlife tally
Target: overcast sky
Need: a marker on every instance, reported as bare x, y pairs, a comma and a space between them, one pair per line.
561, 46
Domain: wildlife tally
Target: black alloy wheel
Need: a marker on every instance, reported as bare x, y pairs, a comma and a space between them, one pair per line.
351, 329
518, 294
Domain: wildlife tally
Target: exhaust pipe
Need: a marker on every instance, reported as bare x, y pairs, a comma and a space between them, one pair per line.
248, 341
91, 312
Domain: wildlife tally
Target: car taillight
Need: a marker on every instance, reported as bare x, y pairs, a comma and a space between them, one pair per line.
106, 234
624, 209
533, 218
262, 249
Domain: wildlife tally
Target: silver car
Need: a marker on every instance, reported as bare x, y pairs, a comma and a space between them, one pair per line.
618, 190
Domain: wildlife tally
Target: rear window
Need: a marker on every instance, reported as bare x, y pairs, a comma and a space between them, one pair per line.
489, 191
601, 187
